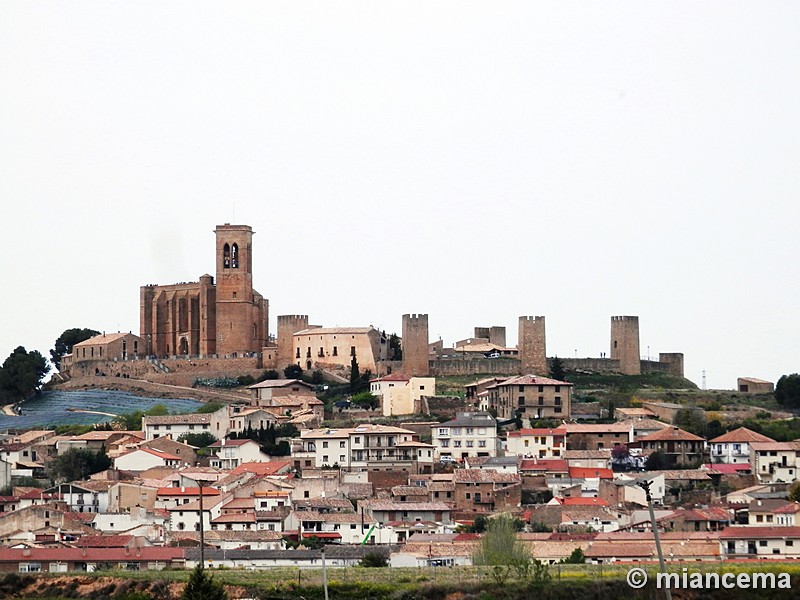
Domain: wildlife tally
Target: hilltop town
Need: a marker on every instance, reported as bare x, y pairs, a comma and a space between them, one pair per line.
362, 442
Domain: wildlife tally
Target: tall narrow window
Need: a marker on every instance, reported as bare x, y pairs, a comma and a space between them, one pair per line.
226, 256
235, 256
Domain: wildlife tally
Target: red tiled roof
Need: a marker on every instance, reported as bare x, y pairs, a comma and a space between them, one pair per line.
158, 453
671, 434
392, 377
749, 532
236, 518
262, 468
64, 554
530, 380
323, 535
556, 465
590, 473
187, 491
712, 513
104, 541
742, 434
732, 468
540, 431
583, 502
219, 444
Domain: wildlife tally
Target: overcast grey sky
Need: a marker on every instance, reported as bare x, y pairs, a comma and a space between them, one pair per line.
476, 161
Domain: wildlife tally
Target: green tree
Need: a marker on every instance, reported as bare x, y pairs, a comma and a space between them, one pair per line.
787, 390
21, 375
794, 492
354, 375
374, 559
77, 464
210, 407
271, 374
293, 372
246, 379
557, 370
501, 550
693, 421
714, 429
198, 440
395, 348
365, 400
201, 586
478, 525
657, 461
67, 340
576, 558
133, 421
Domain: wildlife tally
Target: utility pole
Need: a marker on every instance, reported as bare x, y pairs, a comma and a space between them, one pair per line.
645, 485
324, 574
200, 483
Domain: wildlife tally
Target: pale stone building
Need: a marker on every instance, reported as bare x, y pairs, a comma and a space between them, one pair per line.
334, 348
401, 395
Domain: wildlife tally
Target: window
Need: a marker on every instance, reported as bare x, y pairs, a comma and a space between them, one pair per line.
324, 444
541, 400
325, 458
762, 543
558, 400
456, 430
557, 409
341, 444
32, 567
335, 351
352, 350
445, 443
469, 443
558, 389
470, 431
481, 443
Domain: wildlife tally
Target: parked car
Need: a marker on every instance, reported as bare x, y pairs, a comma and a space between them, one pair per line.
446, 460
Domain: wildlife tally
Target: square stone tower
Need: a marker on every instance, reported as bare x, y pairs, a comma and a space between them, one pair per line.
532, 346
241, 317
288, 325
625, 344
415, 345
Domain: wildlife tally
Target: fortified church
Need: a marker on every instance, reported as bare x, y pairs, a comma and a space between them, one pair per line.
222, 316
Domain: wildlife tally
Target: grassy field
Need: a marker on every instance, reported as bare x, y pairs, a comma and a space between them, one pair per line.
572, 582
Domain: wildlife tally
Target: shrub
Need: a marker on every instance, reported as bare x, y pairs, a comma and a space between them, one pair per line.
374, 559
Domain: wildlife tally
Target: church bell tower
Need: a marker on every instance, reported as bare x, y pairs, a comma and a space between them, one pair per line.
235, 308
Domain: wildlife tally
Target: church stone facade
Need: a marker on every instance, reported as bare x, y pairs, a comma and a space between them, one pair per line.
207, 318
